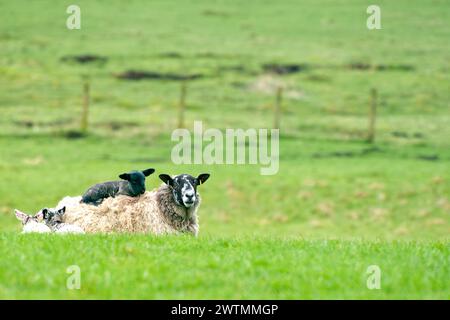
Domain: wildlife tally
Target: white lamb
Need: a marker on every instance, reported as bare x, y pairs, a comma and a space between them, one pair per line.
31, 223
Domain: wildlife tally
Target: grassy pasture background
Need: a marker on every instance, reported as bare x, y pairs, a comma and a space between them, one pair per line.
386, 202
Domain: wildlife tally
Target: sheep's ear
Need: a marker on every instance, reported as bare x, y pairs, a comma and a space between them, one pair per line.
20, 215
166, 179
125, 176
44, 213
202, 178
62, 210
148, 172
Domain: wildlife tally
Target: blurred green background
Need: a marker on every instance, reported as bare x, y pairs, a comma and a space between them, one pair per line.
330, 183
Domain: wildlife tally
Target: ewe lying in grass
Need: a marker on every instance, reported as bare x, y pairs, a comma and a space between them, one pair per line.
172, 208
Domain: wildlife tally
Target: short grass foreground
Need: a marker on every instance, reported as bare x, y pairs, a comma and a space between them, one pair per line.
331, 183
137, 266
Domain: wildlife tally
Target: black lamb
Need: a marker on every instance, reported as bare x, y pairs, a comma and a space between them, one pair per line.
133, 185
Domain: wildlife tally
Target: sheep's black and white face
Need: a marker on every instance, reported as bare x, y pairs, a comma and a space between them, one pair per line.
184, 187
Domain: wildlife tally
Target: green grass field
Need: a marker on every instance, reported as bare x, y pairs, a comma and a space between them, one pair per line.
143, 267
338, 203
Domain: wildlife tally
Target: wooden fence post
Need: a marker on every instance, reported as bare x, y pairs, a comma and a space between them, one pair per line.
277, 108
86, 100
372, 115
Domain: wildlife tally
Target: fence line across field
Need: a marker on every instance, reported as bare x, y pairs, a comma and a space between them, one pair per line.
183, 108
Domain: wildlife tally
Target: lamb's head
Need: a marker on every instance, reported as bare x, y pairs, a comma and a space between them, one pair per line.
53, 216
31, 223
184, 187
137, 179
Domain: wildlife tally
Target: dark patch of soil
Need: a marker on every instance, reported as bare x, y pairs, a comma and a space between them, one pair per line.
74, 134
283, 69
400, 134
84, 58
291, 68
335, 154
25, 123
152, 75
379, 67
347, 154
405, 135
